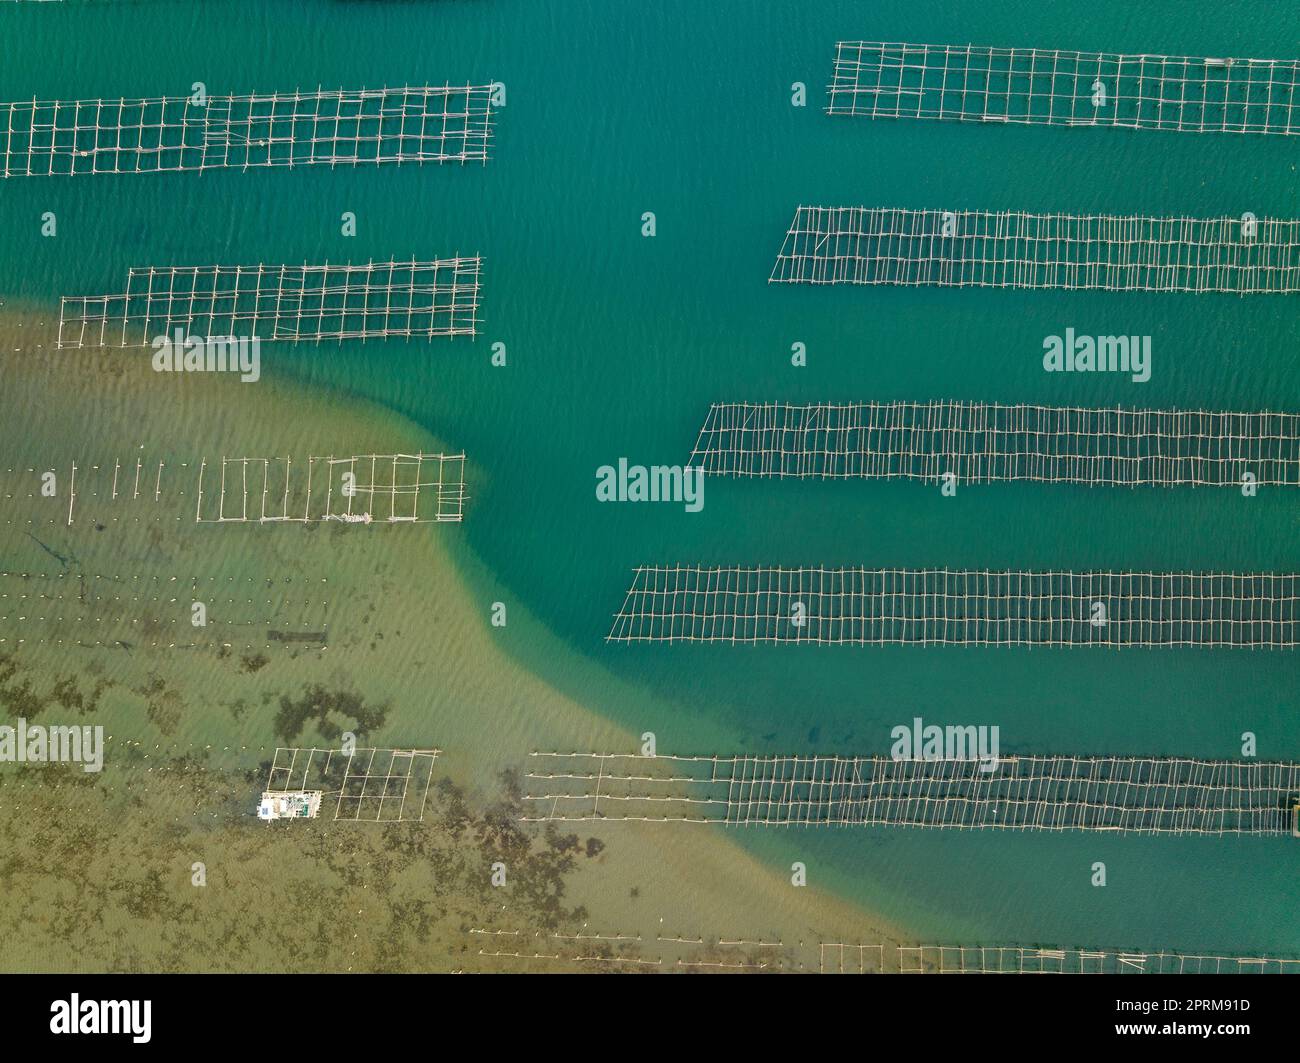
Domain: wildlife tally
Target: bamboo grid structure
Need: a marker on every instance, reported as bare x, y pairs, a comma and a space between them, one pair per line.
174, 134
96, 609
673, 953
1049, 86
359, 489
980, 442
1015, 249
1138, 795
133, 478
670, 951
374, 300
1019, 959
818, 605
368, 785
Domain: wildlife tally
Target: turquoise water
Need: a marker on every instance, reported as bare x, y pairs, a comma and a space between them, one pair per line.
617, 344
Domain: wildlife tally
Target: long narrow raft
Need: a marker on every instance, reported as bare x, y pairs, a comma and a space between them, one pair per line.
1015, 249
1022, 959
980, 442
361, 489
851, 606
1141, 795
368, 300
1052, 86
344, 127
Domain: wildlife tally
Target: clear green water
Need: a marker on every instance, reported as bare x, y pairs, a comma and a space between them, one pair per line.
617, 344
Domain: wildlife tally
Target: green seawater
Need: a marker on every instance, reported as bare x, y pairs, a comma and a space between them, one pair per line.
617, 344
